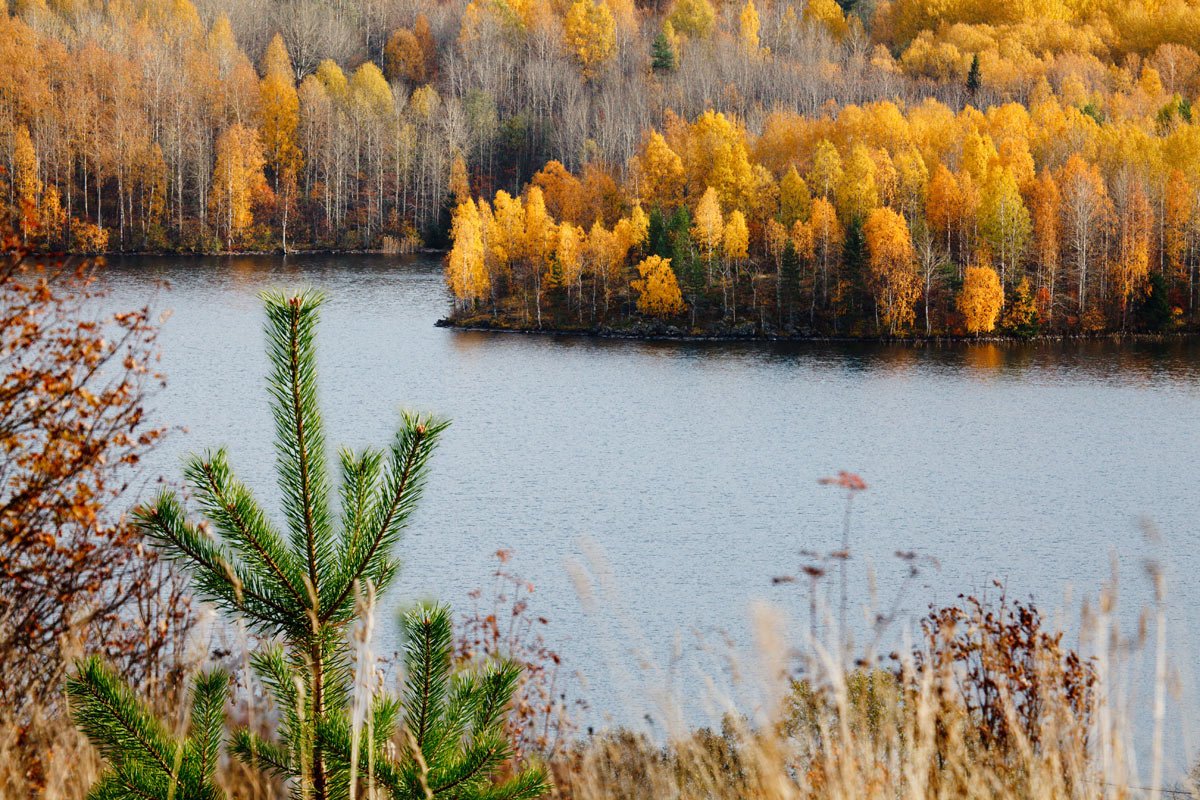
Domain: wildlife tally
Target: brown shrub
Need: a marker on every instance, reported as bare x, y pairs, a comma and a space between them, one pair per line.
73, 431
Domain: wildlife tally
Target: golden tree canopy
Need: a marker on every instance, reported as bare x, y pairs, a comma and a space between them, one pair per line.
639, 225
828, 14
237, 179
693, 18
858, 192
736, 237
460, 181
981, 299
568, 253
276, 61
708, 224
717, 157
589, 33
25, 180
404, 58
748, 27
660, 172
794, 198
466, 270
892, 272
826, 172
657, 288
280, 112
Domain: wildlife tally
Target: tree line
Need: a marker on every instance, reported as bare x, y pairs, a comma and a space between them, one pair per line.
210, 126
871, 219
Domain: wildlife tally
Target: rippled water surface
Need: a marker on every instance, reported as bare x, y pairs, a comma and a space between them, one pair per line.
692, 468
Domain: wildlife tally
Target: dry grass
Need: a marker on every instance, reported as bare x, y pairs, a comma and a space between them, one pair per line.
45, 758
989, 705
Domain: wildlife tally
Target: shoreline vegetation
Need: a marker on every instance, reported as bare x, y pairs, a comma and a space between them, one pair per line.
291, 251
659, 331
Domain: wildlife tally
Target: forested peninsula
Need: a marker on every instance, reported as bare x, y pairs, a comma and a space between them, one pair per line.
1067, 210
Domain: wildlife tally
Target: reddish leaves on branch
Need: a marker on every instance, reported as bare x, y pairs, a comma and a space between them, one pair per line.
846, 480
504, 627
73, 431
1010, 671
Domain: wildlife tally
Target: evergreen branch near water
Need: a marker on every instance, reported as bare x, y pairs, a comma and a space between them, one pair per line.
451, 724
297, 587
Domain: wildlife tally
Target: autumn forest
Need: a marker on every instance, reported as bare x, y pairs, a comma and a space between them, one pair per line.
900, 276
903, 167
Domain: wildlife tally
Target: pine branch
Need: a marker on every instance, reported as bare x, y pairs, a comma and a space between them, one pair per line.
145, 762
335, 734
218, 575
115, 720
300, 440
231, 507
209, 692
110, 788
338, 666
479, 761
386, 713
279, 670
360, 480
429, 640
498, 685
461, 707
368, 554
256, 752
271, 667
140, 784
529, 784
491, 692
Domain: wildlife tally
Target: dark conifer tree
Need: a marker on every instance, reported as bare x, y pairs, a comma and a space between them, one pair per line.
658, 240
662, 54
1153, 310
790, 274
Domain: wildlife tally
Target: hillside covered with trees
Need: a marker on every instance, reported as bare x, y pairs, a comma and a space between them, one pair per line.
890, 167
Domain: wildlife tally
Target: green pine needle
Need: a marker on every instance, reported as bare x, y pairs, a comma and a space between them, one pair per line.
453, 720
145, 761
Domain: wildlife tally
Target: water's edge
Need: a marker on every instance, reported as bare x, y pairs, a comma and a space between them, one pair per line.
652, 332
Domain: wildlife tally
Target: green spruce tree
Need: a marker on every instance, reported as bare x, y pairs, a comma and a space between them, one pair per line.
1153, 309
790, 283
297, 588
658, 241
854, 257
689, 272
662, 54
973, 78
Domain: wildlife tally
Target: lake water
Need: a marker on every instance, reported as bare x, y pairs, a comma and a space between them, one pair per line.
693, 467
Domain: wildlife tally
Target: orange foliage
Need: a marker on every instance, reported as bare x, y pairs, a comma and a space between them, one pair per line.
657, 288
892, 272
72, 426
981, 299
